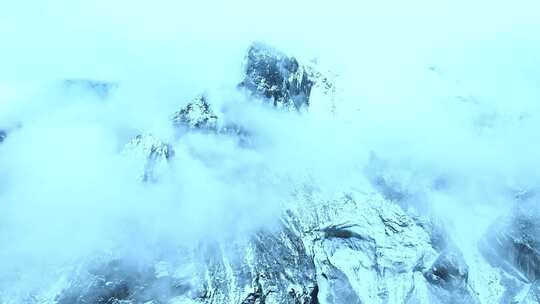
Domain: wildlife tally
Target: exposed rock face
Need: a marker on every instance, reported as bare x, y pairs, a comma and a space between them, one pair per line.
374, 258
367, 250
197, 114
257, 270
358, 248
277, 78
270, 75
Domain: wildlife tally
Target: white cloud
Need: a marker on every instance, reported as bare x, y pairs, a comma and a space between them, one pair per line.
65, 189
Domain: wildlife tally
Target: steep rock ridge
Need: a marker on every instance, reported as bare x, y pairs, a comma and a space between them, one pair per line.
260, 270
279, 79
375, 254
367, 250
272, 76
198, 114
356, 246
503, 268
309, 259
453, 277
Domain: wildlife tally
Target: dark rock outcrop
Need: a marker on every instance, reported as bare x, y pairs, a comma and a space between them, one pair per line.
198, 114
271, 75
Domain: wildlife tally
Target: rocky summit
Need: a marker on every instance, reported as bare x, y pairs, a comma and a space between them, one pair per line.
279, 79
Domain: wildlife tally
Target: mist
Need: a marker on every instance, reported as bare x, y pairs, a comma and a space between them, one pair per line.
442, 100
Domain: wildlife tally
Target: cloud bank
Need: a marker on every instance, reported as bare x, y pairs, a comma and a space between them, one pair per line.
441, 101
